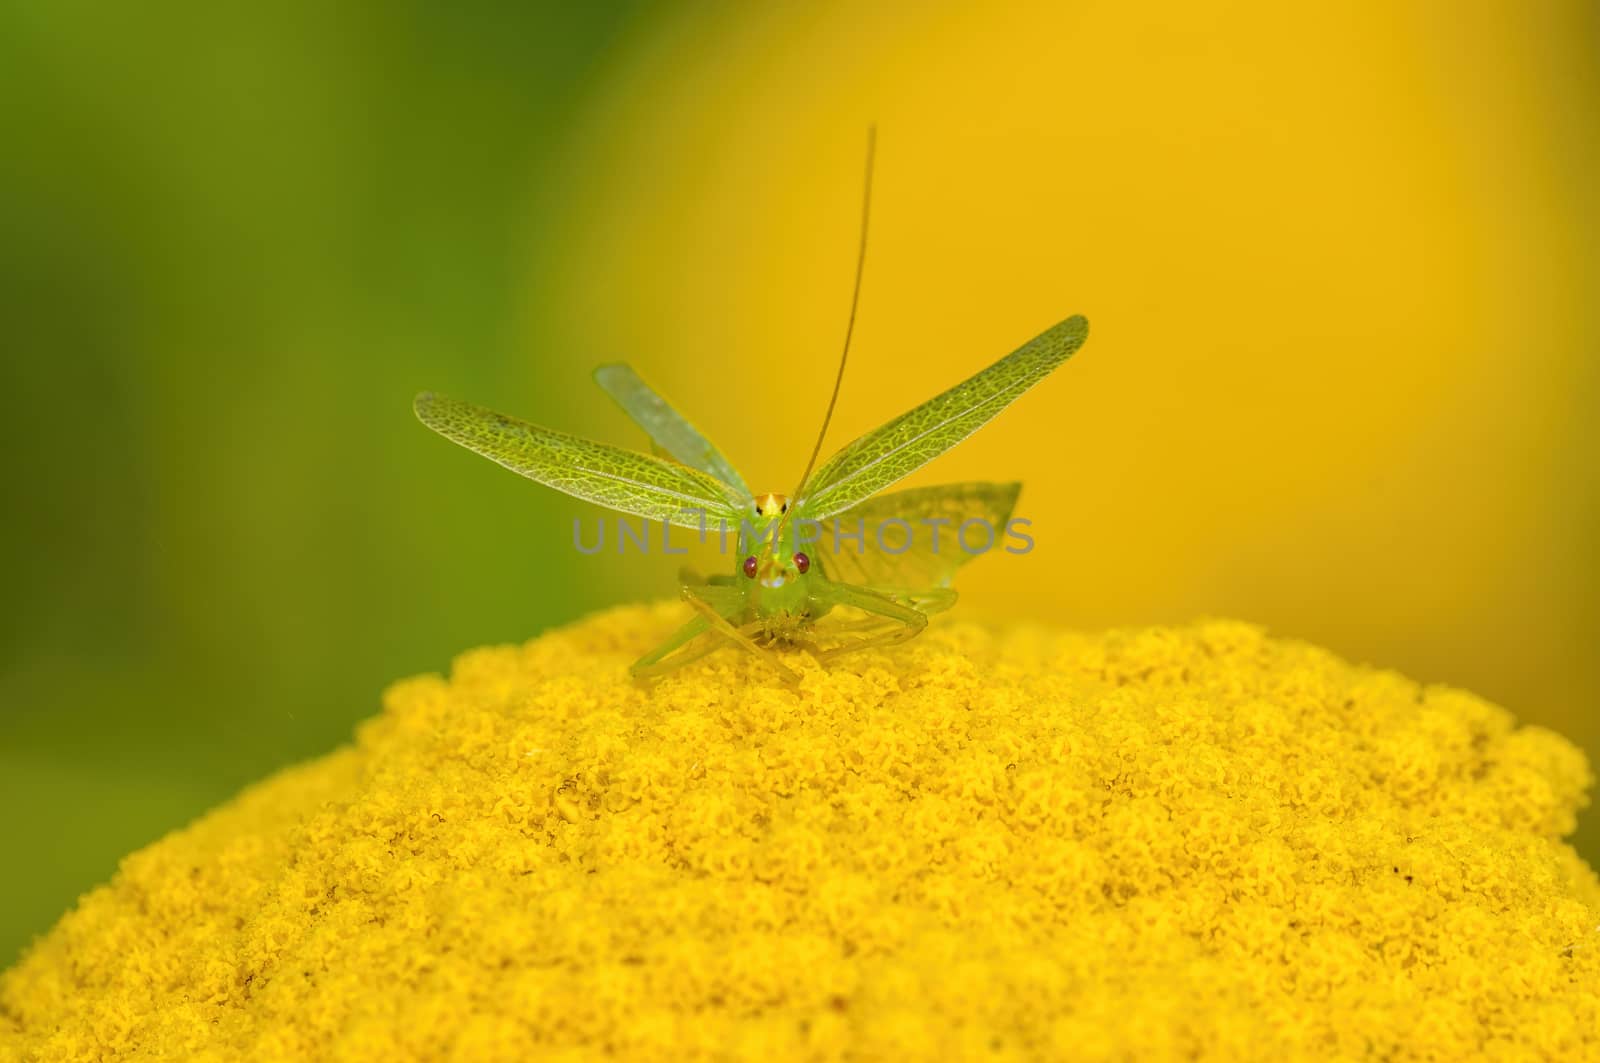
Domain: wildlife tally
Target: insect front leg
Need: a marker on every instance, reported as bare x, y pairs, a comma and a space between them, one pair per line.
662, 660
673, 654
907, 621
927, 602
934, 600
653, 666
701, 598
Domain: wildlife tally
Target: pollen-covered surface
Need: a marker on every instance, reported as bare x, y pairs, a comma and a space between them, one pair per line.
986, 844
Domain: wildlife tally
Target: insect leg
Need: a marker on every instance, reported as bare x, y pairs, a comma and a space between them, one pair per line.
908, 620
929, 601
662, 660
720, 624
672, 654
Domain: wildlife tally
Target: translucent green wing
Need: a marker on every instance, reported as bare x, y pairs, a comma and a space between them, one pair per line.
933, 518
913, 439
671, 432
623, 480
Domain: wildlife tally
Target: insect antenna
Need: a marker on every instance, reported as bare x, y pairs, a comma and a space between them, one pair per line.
850, 326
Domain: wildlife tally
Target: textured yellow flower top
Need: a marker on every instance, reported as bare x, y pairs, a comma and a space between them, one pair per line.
1021, 843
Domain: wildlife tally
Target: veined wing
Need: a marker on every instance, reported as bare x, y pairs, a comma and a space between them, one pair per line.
668, 429
623, 480
933, 518
910, 441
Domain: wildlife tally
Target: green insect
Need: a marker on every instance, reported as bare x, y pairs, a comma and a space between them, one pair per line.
778, 591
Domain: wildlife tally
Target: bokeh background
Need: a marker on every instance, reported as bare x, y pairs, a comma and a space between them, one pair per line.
1340, 265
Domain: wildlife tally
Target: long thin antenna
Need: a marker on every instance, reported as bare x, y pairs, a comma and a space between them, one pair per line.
855, 301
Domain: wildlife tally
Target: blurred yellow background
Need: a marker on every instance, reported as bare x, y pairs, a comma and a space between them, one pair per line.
1339, 266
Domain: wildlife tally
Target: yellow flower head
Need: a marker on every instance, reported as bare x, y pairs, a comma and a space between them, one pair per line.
1010, 844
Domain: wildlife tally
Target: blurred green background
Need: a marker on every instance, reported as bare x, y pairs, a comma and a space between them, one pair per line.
235, 242
1340, 267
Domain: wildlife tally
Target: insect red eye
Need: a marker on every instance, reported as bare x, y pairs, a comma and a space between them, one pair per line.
750, 567
802, 562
